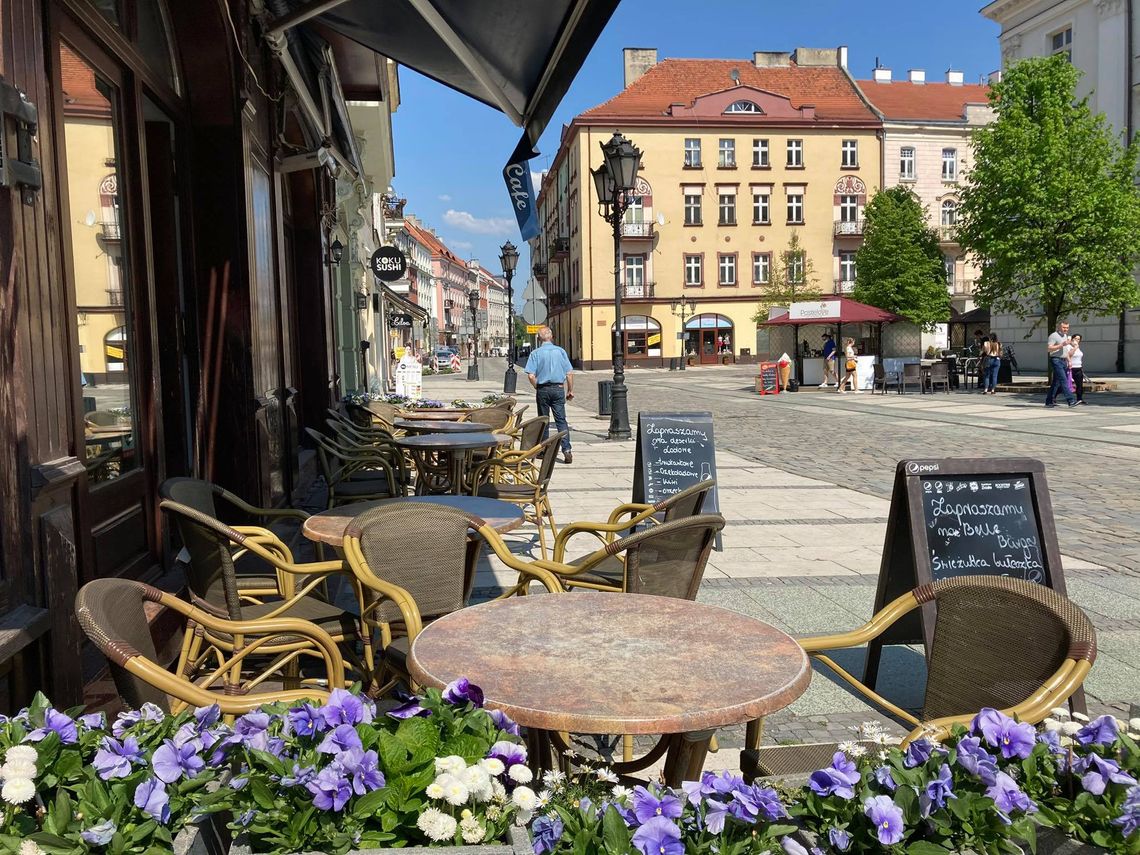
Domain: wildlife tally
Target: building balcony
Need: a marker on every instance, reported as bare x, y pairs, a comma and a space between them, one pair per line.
557, 301
638, 291
637, 231
948, 234
111, 230
114, 296
539, 268
961, 287
844, 286
848, 228
561, 246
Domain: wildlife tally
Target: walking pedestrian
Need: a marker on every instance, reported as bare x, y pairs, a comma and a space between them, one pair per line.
549, 370
850, 365
829, 373
991, 363
1055, 348
1077, 368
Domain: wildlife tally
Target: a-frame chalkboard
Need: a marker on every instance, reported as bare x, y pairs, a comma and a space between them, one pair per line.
963, 517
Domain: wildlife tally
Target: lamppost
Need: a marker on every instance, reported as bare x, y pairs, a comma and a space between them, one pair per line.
508, 258
684, 309
614, 182
473, 302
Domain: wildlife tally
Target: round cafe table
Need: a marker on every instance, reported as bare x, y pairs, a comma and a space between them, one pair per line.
438, 415
616, 663
329, 526
442, 457
414, 426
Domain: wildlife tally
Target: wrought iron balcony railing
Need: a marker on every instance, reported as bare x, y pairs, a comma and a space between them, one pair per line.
638, 290
638, 231
848, 228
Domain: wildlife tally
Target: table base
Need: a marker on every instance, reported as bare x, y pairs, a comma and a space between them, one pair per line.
684, 753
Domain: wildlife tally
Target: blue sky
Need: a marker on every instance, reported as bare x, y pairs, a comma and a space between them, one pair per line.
450, 149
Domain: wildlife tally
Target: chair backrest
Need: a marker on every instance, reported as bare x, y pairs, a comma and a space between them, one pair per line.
357, 414
880, 372
496, 418
669, 560
997, 640
911, 371
421, 547
112, 612
192, 492
383, 411
209, 543
940, 372
548, 458
530, 432
687, 503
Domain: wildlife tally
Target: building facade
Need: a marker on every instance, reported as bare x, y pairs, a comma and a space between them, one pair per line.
421, 281
1099, 37
737, 156
497, 329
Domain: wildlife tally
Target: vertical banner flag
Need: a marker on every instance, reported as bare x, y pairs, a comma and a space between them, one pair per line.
521, 189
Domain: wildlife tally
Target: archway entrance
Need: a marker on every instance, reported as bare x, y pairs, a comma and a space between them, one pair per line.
708, 337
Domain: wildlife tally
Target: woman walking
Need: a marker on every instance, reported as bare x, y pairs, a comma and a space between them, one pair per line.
1077, 369
849, 367
991, 362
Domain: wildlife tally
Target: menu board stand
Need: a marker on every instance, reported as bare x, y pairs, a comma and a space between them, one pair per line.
963, 517
768, 380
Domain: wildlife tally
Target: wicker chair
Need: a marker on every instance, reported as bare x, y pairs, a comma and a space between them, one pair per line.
358, 473
112, 612
523, 478
998, 642
940, 376
351, 433
530, 432
214, 588
496, 418
408, 588
884, 378
911, 375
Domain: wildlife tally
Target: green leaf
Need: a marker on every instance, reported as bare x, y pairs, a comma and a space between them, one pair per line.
262, 794
615, 833
922, 847
368, 804
392, 753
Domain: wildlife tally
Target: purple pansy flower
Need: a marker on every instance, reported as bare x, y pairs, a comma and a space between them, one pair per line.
938, 791
207, 716
976, 760
1008, 796
151, 799
362, 768
887, 818
330, 788
461, 691
646, 805
1099, 772
1129, 819
1012, 738
885, 779
101, 834
251, 731
94, 721
751, 803
838, 779
410, 708
172, 761
715, 814
305, 720
546, 832
839, 839
659, 836
114, 759
58, 723
299, 777
504, 723
792, 847
1053, 739
508, 752
342, 738
918, 752
1099, 731
346, 708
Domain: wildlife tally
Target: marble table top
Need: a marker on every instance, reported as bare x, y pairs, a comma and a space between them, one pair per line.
329, 526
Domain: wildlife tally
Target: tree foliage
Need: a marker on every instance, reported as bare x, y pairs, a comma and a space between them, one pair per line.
791, 279
1051, 206
899, 266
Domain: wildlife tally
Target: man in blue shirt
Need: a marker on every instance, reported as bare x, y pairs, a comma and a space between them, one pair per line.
829, 361
551, 374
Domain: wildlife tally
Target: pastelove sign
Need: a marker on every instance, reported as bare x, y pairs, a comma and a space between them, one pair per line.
388, 264
814, 310
674, 452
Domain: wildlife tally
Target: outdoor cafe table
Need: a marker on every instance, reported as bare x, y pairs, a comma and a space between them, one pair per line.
441, 457
603, 663
433, 426
436, 414
329, 526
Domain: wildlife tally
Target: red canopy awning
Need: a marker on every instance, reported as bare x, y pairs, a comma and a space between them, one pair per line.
850, 312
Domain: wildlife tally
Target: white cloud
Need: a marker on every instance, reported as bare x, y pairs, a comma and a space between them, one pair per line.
464, 221
443, 197
462, 245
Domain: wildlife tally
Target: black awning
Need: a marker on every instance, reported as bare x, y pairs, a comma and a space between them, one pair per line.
519, 56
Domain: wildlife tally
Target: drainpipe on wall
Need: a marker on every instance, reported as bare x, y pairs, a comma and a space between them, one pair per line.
1127, 139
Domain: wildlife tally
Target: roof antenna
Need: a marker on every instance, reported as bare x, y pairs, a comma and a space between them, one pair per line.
877, 63
735, 75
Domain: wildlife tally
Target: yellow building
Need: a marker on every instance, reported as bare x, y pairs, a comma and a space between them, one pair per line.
737, 156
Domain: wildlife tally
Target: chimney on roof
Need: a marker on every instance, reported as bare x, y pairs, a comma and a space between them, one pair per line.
882, 75
917, 75
994, 77
841, 56
955, 78
771, 59
816, 56
637, 61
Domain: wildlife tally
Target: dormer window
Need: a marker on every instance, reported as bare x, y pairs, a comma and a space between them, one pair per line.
743, 107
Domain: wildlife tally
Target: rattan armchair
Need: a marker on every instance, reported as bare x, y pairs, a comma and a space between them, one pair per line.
351, 432
112, 612
213, 586
522, 478
497, 418
358, 473
998, 642
529, 433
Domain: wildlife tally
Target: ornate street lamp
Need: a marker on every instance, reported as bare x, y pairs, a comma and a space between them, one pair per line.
683, 309
614, 183
473, 302
508, 258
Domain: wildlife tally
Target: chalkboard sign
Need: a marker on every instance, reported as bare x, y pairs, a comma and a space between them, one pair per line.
962, 517
768, 382
674, 452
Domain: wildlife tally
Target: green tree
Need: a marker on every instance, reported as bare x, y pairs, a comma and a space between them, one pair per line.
1051, 206
899, 266
791, 279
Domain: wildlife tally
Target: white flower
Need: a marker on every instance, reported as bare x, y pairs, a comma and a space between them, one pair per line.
1067, 742
437, 825
471, 829
1061, 713
553, 778
1080, 717
852, 749
493, 765
606, 775
523, 817
434, 790
17, 769
16, 791
870, 729
1134, 724
620, 793
455, 792
520, 774
524, 798
30, 847
1069, 728
478, 781
1052, 725
452, 764
544, 798
498, 791
22, 754
494, 812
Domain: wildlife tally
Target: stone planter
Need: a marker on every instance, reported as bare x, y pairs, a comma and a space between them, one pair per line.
212, 838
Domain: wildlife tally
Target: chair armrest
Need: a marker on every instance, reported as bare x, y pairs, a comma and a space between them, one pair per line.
268, 513
364, 576
629, 508
540, 570
873, 628
599, 529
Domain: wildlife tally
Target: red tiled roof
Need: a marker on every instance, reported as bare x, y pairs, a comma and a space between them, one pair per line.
939, 102
675, 81
432, 242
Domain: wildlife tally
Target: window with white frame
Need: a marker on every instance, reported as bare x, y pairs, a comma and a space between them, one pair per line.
726, 268
760, 153
949, 266
726, 206
692, 152
848, 209
761, 268
1061, 42
795, 153
692, 207
761, 207
694, 265
635, 213
949, 213
796, 208
847, 270
794, 264
850, 154
726, 154
949, 164
906, 163
743, 107
634, 271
